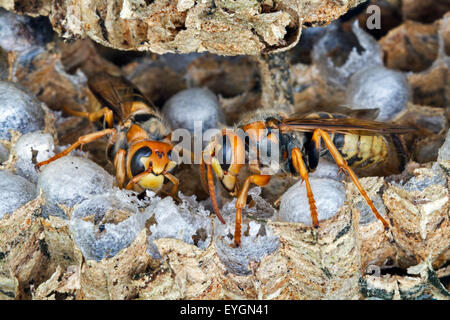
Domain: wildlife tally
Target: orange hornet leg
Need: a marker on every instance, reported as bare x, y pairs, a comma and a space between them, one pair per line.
175, 181
81, 141
136, 179
203, 177
94, 116
212, 194
340, 161
259, 180
299, 165
119, 166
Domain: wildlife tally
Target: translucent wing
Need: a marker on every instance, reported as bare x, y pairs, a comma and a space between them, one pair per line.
369, 114
343, 125
116, 93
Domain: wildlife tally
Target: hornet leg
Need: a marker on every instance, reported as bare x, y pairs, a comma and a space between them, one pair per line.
259, 180
299, 165
119, 166
105, 112
203, 177
342, 164
212, 194
175, 181
81, 141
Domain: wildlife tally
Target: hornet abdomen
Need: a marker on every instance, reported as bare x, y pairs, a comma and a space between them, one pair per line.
367, 154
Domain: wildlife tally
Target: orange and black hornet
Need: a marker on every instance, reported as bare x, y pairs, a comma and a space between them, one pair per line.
300, 140
139, 139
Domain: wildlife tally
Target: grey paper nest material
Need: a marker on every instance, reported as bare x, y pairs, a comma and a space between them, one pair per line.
223, 27
325, 263
20, 110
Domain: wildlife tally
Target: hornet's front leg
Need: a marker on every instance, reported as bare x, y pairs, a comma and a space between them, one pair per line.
229, 147
259, 180
226, 172
119, 166
175, 182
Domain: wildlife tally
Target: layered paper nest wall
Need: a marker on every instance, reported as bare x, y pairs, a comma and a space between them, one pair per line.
222, 27
40, 259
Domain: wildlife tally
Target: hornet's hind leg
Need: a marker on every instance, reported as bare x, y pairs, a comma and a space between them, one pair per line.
342, 164
81, 141
105, 112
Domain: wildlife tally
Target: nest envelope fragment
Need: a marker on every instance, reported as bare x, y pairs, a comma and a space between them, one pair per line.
182, 26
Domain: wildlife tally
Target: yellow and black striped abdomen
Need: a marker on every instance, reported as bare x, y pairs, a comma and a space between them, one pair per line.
367, 154
361, 151
371, 155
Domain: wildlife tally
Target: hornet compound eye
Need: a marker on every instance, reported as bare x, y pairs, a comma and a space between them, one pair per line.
137, 161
